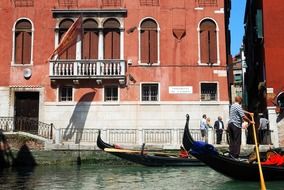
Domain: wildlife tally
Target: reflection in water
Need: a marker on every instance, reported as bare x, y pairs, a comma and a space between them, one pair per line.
128, 178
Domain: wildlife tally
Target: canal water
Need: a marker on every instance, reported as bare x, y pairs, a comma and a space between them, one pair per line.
92, 177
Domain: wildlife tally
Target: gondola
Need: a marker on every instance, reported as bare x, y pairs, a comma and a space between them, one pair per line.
234, 168
146, 158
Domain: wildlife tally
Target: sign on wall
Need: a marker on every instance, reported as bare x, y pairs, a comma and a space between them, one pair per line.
180, 89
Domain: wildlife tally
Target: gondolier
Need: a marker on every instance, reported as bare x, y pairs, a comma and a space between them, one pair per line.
237, 116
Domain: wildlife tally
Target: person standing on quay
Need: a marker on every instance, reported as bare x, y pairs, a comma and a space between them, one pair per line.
219, 127
203, 127
237, 116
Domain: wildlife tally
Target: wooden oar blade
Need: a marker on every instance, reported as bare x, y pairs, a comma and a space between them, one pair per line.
121, 150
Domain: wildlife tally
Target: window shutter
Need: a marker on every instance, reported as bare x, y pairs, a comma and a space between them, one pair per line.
213, 47
86, 46
19, 47
204, 46
107, 45
27, 39
208, 42
153, 46
149, 41
23, 42
112, 39
90, 40
90, 45
94, 45
116, 45
145, 58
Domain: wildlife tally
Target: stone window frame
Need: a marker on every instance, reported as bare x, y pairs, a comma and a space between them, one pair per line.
13, 61
139, 41
217, 38
158, 92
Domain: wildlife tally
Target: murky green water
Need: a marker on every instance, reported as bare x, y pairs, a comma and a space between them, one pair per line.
124, 177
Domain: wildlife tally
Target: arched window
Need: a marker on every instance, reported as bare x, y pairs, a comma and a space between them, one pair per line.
90, 40
23, 42
208, 42
70, 53
111, 39
149, 42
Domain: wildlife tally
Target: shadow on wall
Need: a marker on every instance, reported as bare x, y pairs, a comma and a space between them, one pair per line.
78, 119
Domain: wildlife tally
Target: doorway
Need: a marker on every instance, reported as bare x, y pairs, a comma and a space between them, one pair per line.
26, 111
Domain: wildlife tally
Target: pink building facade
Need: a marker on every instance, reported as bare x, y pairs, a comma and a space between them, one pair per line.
139, 64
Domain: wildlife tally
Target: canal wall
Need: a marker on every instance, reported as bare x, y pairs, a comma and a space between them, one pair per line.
17, 150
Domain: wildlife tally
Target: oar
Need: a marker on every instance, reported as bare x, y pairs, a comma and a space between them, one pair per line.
121, 150
262, 183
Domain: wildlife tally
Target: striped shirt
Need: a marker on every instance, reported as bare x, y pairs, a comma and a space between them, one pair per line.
236, 115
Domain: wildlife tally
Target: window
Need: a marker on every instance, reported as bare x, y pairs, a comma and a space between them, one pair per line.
111, 39
111, 93
150, 92
149, 2
69, 53
23, 42
206, 3
65, 94
208, 91
23, 3
148, 42
208, 42
90, 40
111, 3
68, 3
238, 78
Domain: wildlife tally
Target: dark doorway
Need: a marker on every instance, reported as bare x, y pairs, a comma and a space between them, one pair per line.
26, 111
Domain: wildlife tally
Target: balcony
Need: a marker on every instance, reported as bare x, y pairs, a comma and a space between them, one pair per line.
87, 69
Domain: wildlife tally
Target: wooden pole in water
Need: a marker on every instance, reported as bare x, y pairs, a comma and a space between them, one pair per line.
262, 182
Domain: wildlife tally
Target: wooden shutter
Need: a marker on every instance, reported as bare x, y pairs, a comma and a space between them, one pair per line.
149, 41
213, 47
27, 44
111, 39
90, 40
107, 45
204, 49
153, 46
112, 45
145, 46
23, 42
90, 45
116, 45
208, 42
19, 47
86, 46
94, 45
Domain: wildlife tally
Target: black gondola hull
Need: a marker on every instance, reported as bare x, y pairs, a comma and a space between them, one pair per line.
231, 167
149, 160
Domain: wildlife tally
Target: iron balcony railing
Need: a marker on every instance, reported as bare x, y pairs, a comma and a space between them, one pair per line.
25, 124
87, 69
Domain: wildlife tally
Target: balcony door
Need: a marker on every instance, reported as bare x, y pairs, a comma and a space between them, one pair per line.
111, 39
